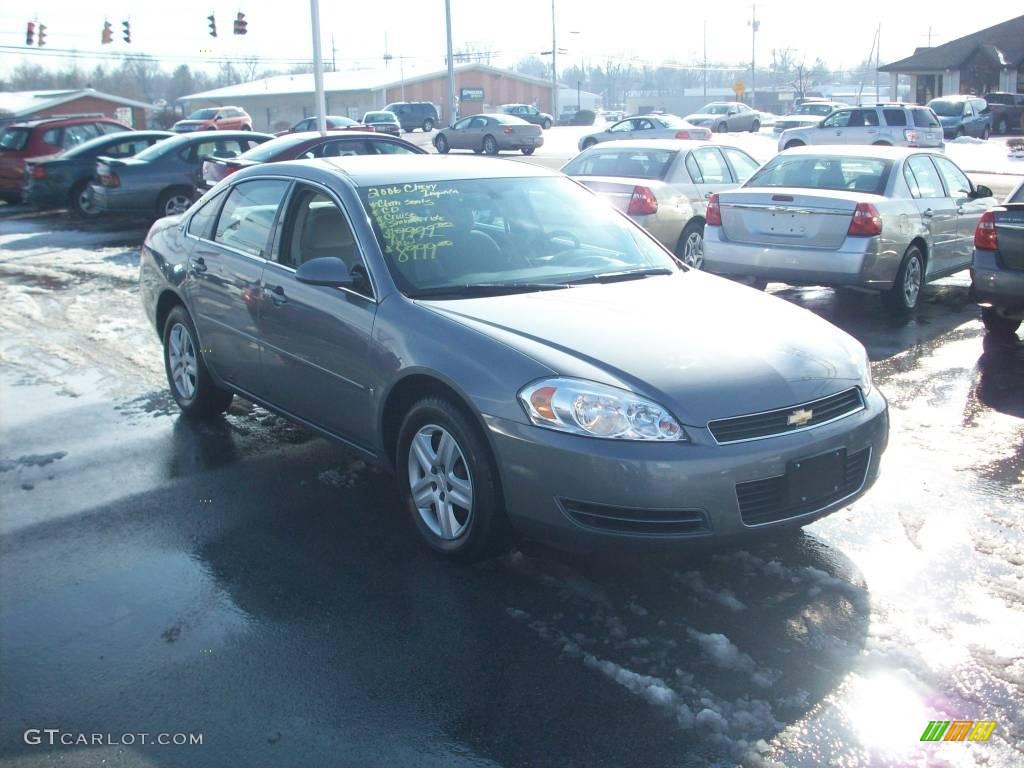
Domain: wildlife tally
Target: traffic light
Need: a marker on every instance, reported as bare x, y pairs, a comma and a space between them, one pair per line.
30, 34
241, 24
127, 35
213, 25
41, 39
108, 36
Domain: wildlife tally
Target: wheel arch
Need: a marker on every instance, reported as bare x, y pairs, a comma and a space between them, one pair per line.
922, 246
168, 300
696, 219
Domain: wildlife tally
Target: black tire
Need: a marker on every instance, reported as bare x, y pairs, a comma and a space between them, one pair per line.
441, 144
79, 201
793, 143
486, 528
246, 127
1003, 126
546, 125
589, 143
898, 300
997, 324
177, 194
428, 125
206, 400
723, 127
881, 144
490, 145
693, 229
527, 150
985, 133
755, 126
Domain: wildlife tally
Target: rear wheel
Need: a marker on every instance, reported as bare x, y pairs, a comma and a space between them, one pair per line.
1003, 126
589, 143
755, 127
985, 133
546, 124
490, 146
173, 201
81, 201
441, 144
191, 384
449, 482
723, 127
793, 143
690, 249
881, 144
905, 294
527, 150
997, 324
428, 125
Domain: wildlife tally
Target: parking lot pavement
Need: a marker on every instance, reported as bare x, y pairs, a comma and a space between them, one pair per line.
249, 582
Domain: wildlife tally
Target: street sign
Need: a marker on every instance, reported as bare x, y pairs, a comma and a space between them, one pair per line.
739, 89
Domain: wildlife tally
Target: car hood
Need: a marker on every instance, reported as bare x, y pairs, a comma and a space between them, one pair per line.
703, 116
703, 346
794, 121
950, 119
191, 123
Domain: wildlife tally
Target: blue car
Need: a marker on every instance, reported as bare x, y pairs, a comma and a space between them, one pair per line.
62, 180
963, 116
161, 180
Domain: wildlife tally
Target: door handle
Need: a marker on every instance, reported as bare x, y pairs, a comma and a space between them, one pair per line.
276, 294
199, 264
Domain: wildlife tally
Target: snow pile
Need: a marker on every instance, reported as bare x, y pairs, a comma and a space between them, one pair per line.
723, 597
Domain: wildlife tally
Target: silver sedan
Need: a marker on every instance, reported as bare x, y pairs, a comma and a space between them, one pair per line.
490, 134
664, 185
725, 116
882, 218
647, 127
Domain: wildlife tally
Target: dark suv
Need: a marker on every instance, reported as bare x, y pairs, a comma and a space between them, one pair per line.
48, 136
414, 114
1007, 111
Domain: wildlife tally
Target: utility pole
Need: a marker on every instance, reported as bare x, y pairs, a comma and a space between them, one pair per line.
554, 65
451, 62
754, 24
334, 55
318, 68
705, 59
878, 56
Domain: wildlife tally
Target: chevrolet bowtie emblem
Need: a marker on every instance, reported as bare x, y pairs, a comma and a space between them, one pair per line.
800, 417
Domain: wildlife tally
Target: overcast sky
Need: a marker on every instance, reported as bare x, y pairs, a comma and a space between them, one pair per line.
839, 31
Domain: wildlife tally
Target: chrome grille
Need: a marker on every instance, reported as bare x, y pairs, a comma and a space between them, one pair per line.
771, 423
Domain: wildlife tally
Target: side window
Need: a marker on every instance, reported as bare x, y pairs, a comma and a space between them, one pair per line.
343, 148
644, 125
103, 128
923, 178
248, 215
205, 150
52, 137
76, 134
314, 228
201, 223
743, 165
693, 169
839, 119
125, 149
623, 127
712, 166
894, 117
232, 145
478, 123
956, 181
391, 148
463, 124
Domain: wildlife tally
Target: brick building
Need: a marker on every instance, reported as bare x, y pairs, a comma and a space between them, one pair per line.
17, 106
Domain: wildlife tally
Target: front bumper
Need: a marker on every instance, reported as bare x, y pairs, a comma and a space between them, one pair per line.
863, 262
547, 475
993, 284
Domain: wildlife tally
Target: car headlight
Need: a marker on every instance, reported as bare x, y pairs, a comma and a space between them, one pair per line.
587, 408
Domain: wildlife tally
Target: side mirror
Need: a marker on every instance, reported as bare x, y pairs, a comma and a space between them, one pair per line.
327, 270
981, 191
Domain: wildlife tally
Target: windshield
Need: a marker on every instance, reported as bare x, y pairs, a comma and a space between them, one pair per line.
203, 114
861, 174
944, 108
332, 120
715, 109
268, 149
628, 163
520, 231
163, 147
380, 117
14, 138
813, 109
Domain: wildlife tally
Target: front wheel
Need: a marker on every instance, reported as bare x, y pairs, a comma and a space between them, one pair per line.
173, 201
690, 249
755, 127
490, 146
997, 324
449, 482
428, 125
191, 385
905, 294
441, 144
528, 150
723, 127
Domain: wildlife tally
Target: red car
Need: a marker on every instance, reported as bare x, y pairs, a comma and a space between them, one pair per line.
48, 136
303, 146
215, 119
334, 123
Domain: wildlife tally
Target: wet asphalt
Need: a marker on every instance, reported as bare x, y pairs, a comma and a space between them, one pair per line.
250, 582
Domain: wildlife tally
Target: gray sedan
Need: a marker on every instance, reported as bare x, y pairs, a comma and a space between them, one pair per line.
882, 218
163, 178
490, 134
511, 347
647, 127
725, 116
664, 186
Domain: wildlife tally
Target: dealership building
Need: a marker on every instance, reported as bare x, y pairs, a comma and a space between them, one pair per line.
278, 102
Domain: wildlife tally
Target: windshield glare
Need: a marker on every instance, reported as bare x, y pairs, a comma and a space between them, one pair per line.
627, 163
510, 231
861, 174
944, 108
813, 109
715, 109
202, 114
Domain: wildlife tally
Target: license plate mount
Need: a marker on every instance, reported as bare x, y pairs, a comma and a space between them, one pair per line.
815, 478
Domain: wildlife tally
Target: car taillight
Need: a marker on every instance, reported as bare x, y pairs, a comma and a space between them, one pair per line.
506, 130
38, 172
985, 237
713, 215
910, 135
682, 134
642, 202
109, 180
865, 222
230, 168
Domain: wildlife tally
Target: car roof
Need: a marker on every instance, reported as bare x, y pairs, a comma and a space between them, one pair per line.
867, 150
70, 120
342, 135
673, 144
381, 170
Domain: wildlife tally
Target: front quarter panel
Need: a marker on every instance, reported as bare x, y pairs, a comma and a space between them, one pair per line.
163, 265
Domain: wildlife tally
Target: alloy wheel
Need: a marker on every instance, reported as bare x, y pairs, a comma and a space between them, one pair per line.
85, 202
181, 354
693, 250
912, 282
176, 204
440, 482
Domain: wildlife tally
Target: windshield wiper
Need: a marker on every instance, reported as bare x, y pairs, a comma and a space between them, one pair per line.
626, 274
484, 289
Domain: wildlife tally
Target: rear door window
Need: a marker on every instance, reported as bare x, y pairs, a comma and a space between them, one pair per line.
894, 117
743, 165
14, 139
956, 182
76, 134
924, 118
922, 178
713, 168
248, 215
53, 137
